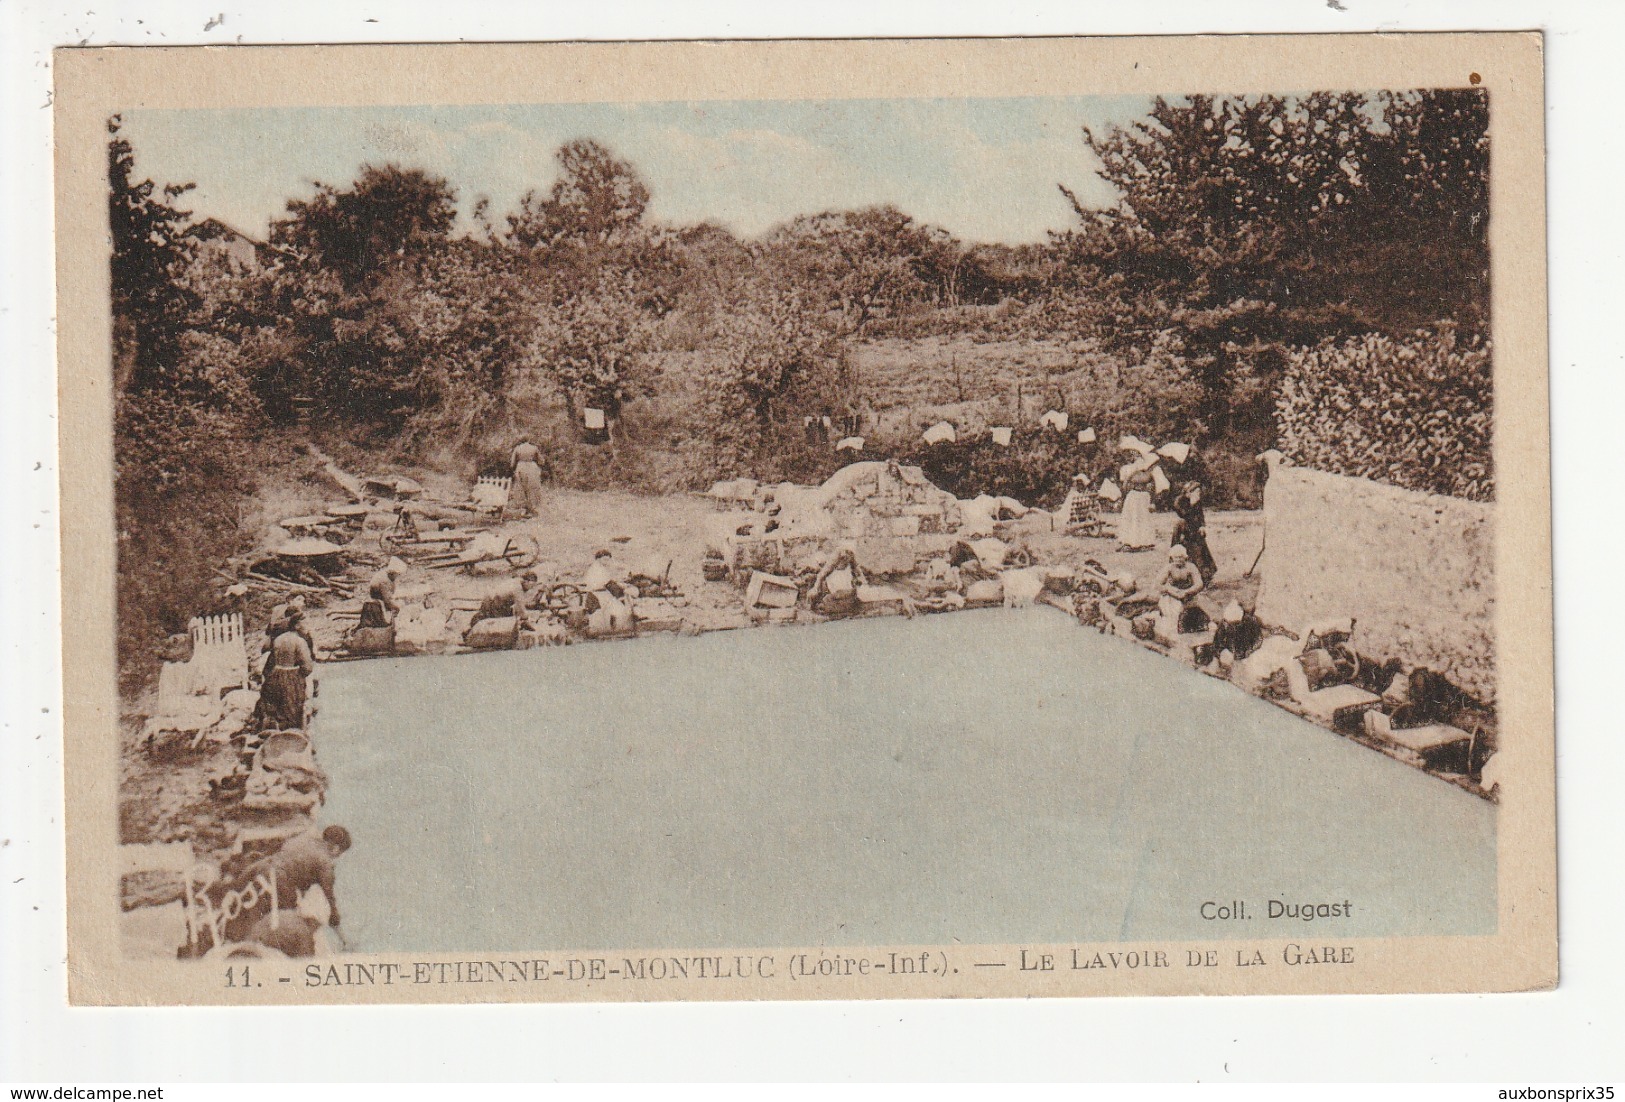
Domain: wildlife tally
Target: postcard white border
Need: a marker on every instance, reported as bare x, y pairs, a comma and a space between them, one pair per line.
1471, 1037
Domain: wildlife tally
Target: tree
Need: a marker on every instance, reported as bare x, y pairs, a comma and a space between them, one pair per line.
865, 263
150, 249
697, 267
773, 349
364, 259
1247, 225
361, 232
588, 343
597, 200
1421, 242
464, 316
181, 412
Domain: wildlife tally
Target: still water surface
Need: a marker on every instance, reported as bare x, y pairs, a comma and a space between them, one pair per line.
991, 777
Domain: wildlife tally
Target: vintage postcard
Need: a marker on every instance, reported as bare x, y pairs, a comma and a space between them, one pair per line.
788, 520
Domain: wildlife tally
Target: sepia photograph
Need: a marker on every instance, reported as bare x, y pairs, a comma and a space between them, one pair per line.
809, 544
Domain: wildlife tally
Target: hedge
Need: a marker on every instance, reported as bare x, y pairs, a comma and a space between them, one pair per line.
1415, 412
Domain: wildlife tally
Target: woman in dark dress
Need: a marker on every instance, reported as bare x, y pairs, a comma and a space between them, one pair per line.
282, 695
1190, 530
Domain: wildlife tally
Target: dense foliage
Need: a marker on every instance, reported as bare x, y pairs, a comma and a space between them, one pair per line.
181, 409
1249, 226
1413, 412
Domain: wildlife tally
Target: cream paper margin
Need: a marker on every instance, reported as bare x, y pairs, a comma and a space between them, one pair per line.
93, 83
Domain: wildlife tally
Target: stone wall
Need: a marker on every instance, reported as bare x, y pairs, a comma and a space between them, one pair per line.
1416, 570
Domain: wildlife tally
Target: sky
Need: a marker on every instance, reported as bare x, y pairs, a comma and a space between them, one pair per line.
984, 169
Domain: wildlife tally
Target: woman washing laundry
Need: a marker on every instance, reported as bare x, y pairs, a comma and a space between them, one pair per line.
1239, 633
835, 590
1180, 578
610, 595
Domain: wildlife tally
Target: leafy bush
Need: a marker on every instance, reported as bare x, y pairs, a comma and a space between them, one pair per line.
180, 477
1414, 412
1151, 396
1038, 465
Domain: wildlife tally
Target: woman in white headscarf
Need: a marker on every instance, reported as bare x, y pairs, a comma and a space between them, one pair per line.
1134, 526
